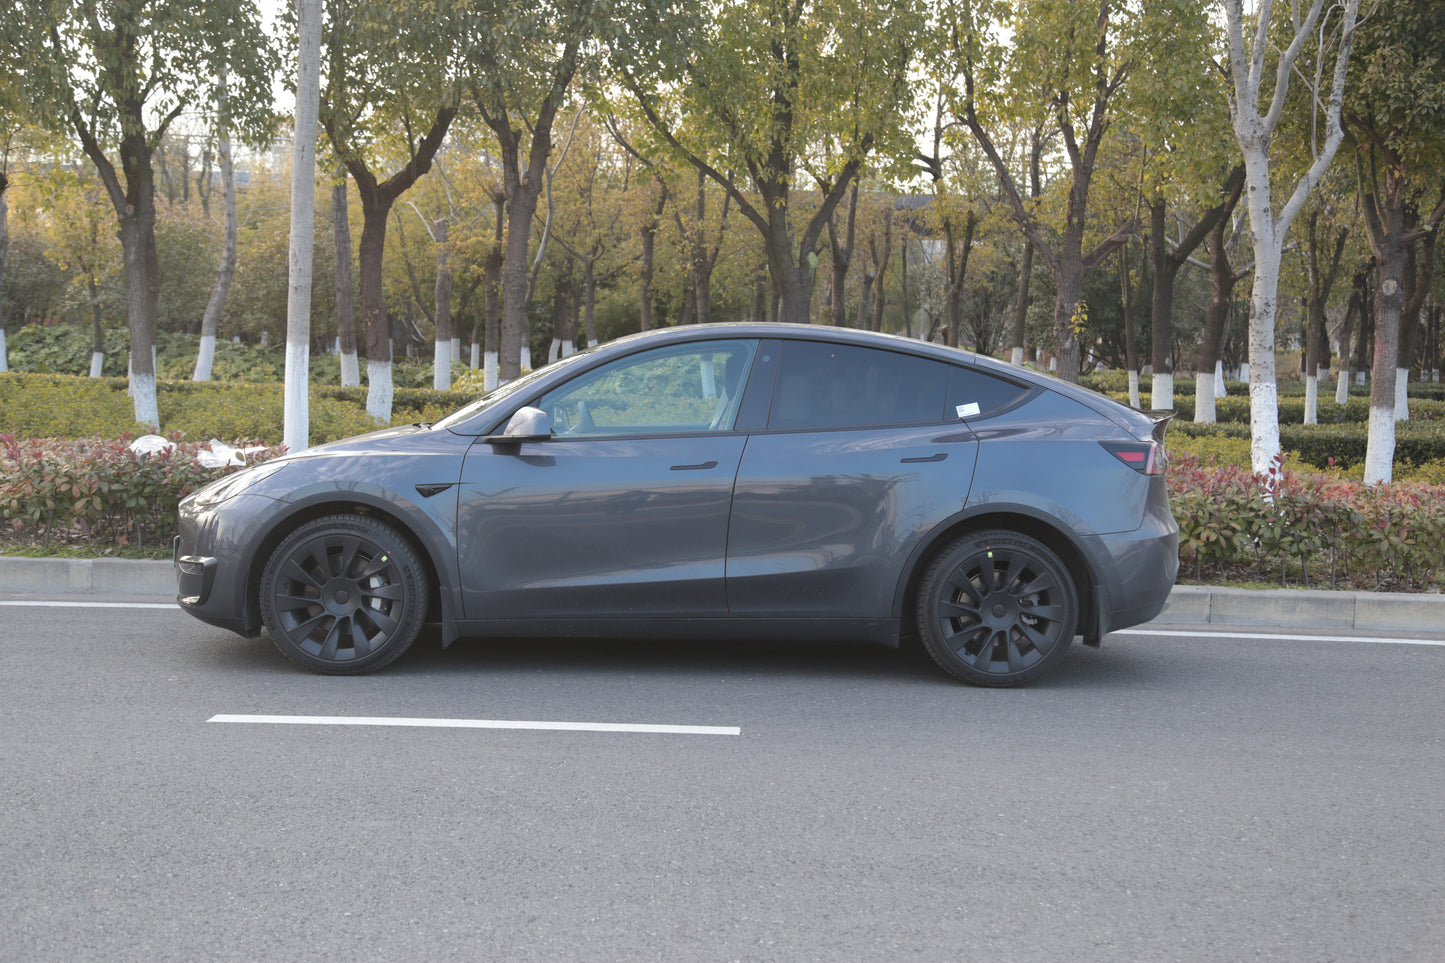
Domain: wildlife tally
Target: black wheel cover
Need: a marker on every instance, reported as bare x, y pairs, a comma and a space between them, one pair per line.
343, 595
997, 609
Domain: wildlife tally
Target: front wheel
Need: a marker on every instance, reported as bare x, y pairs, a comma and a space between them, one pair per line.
344, 595
997, 609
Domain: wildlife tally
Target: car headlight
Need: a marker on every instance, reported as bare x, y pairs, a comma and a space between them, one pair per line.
232, 485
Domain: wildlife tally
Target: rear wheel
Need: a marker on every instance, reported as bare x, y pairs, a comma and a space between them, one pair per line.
344, 595
997, 608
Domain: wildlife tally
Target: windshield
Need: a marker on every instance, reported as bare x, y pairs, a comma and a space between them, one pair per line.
502, 392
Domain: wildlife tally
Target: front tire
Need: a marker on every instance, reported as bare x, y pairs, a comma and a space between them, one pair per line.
997, 608
344, 595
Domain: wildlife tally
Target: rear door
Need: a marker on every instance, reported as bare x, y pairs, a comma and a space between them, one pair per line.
858, 460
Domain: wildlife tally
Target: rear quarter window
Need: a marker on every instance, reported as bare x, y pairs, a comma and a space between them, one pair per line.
977, 394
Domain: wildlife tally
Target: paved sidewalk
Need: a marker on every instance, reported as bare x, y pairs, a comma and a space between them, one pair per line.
1188, 604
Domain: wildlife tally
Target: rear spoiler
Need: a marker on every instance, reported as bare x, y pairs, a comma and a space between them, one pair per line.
1161, 418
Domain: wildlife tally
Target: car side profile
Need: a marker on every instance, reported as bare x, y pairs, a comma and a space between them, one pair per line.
715, 481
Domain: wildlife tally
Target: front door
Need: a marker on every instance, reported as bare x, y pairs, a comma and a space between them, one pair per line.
624, 512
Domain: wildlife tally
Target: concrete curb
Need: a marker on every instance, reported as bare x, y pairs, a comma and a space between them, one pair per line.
1188, 604
1305, 608
86, 576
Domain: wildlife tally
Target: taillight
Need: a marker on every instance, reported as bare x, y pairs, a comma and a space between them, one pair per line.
1145, 457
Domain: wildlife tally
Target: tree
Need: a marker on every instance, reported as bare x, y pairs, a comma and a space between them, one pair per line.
1396, 121
1249, 55
518, 79
378, 106
763, 97
1168, 256
296, 418
210, 321
117, 76
345, 290
1051, 38
1208, 370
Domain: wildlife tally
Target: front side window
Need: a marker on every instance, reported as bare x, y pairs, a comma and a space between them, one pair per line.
681, 389
823, 385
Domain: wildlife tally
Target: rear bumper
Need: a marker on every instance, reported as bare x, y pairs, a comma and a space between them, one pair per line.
1143, 565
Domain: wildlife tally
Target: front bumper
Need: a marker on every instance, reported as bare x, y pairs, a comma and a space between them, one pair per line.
212, 558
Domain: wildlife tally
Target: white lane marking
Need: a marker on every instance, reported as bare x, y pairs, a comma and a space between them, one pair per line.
97, 605
481, 724
1277, 637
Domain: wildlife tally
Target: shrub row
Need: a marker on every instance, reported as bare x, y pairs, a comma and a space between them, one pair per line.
98, 493
66, 406
66, 349
1306, 529
1417, 443
1117, 383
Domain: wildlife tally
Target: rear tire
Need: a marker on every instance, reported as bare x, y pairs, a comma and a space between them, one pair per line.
997, 608
344, 595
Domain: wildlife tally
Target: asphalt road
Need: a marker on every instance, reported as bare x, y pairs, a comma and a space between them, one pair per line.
1189, 797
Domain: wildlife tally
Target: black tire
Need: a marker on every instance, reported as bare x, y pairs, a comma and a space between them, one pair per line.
997, 609
344, 595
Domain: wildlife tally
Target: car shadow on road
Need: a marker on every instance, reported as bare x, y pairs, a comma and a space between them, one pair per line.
1081, 668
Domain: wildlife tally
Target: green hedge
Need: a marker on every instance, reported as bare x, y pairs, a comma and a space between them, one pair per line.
1334, 446
66, 406
66, 349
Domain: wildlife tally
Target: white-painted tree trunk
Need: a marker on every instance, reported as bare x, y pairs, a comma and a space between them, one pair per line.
1204, 409
441, 367
205, 358
1134, 389
4, 352
1016, 356
1342, 384
296, 413
1161, 390
489, 371
592, 342
1244, 371
1264, 447
1312, 400
1219, 390
555, 351
526, 357
1379, 458
350, 370
1402, 394
378, 390
97, 361
143, 391
457, 351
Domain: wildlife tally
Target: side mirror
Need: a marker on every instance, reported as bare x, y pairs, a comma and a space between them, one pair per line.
527, 424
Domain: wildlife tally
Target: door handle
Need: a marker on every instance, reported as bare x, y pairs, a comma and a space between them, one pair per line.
926, 458
703, 467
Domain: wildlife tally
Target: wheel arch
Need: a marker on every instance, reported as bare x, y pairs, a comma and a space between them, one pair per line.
439, 604
1052, 533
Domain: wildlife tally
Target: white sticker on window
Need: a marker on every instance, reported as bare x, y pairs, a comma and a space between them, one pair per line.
968, 410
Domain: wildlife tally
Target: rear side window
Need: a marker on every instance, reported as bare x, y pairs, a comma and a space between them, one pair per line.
824, 385
974, 394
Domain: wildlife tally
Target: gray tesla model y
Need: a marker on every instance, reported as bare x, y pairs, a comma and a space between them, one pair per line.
759, 481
